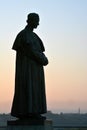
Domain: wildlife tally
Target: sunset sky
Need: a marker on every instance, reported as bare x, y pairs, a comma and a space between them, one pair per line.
63, 30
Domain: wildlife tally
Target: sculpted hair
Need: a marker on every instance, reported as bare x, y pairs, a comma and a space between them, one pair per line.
32, 17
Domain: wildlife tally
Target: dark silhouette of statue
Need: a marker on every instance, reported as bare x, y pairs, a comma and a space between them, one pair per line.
29, 96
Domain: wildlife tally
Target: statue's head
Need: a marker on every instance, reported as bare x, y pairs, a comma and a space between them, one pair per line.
33, 20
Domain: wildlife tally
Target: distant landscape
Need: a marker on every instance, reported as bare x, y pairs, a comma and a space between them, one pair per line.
62, 119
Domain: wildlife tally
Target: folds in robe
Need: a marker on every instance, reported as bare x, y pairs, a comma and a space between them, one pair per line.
29, 95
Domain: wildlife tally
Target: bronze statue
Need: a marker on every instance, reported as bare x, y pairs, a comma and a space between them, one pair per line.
29, 96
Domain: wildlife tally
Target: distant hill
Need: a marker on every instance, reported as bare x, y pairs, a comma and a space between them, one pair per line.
68, 119
63, 119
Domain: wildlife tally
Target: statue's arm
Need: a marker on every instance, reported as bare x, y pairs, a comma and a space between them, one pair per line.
29, 50
38, 56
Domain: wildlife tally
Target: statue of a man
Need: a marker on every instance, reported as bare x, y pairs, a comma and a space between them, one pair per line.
29, 96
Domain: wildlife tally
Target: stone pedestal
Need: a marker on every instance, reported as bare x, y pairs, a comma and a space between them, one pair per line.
29, 125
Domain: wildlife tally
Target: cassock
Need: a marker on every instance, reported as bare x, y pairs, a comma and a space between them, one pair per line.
29, 94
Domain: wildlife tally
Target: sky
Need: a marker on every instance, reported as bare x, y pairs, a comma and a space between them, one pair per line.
63, 30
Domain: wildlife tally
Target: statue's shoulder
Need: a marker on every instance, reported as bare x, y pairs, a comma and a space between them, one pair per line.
21, 33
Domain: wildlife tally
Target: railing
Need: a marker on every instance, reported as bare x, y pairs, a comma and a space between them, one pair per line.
69, 127
59, 127
3, 127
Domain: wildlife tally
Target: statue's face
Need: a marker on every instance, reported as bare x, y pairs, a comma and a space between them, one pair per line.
35, 23
33, 20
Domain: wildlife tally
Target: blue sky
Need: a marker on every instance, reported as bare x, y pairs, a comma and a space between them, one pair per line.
63, 29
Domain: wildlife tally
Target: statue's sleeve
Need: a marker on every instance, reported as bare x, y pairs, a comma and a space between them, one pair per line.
37, 55
34, 50
40, 57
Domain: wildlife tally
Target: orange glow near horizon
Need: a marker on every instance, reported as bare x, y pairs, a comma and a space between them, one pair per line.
63, 30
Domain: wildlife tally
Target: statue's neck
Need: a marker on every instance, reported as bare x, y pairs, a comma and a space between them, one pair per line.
30, 28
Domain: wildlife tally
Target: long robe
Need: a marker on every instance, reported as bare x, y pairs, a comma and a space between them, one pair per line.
29, 95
